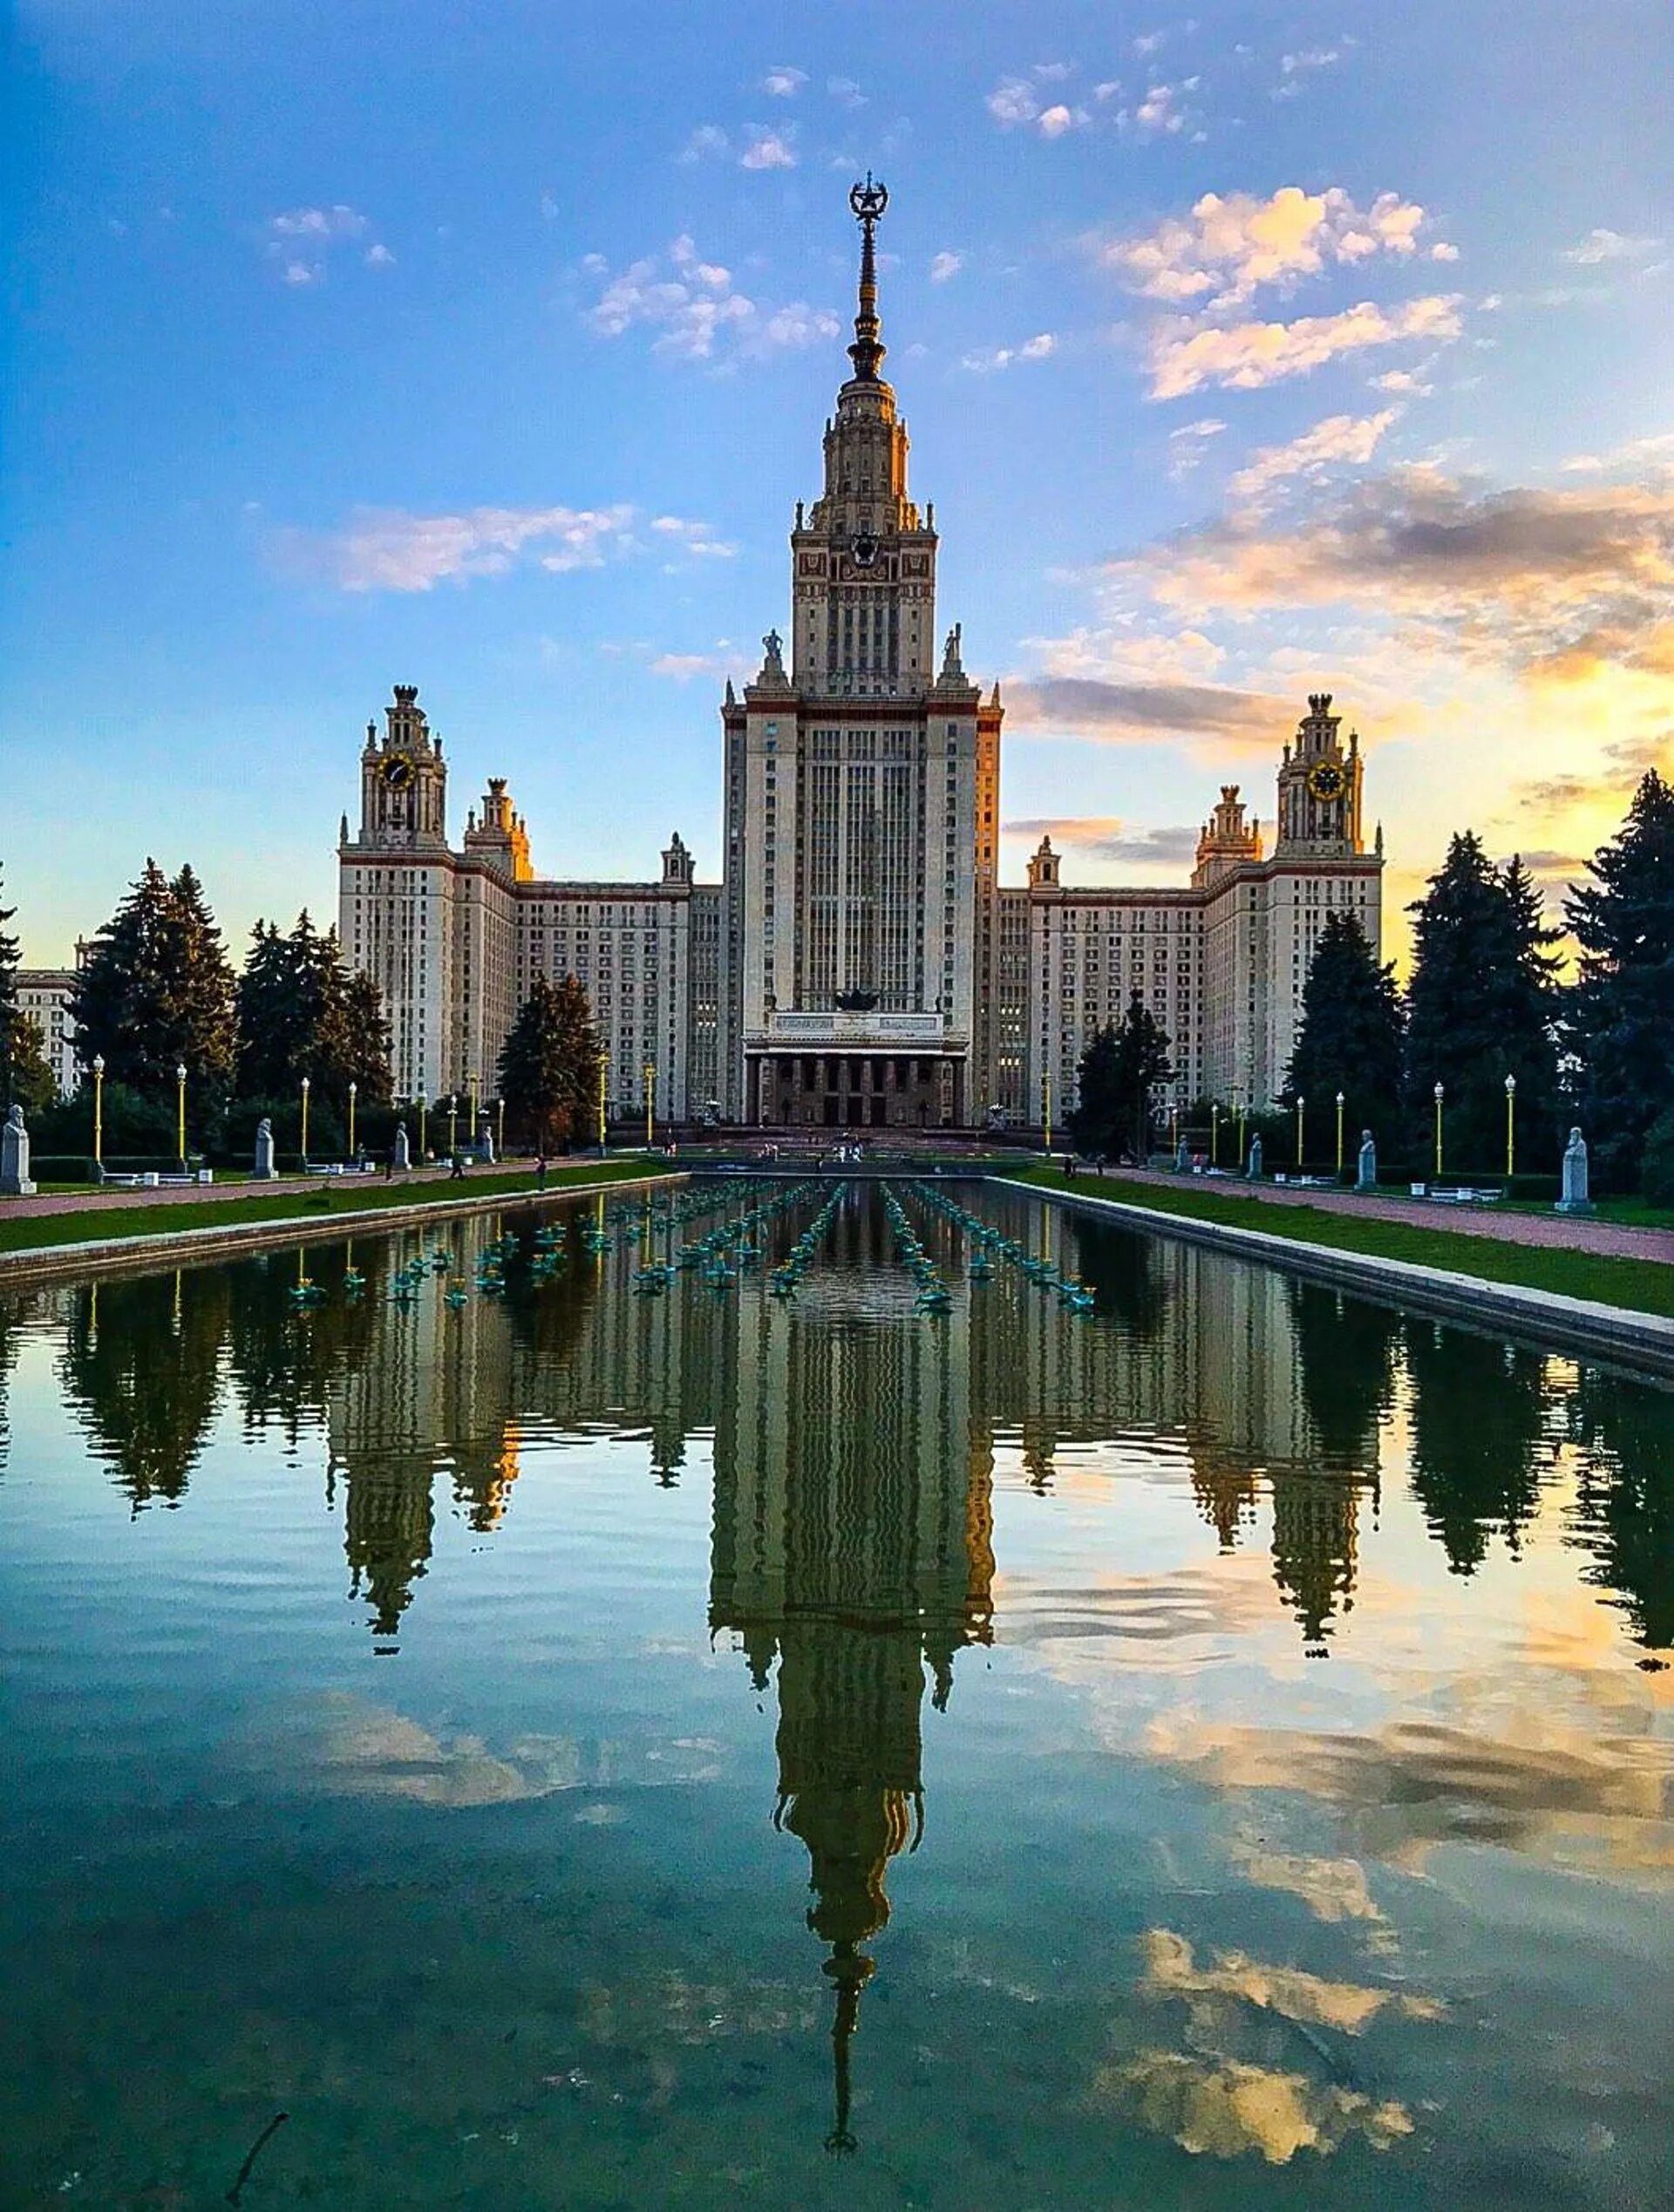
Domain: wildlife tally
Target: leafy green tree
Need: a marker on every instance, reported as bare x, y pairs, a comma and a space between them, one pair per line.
549, 1065
302, 1011
1117, 1080
1481, 1004
1352, 1035
1621, 1025
158, 993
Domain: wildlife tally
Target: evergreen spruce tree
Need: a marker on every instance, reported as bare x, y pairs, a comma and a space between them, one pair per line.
11, 1014
549, 1065
301, 1011
158, 993
1351, 1035
1481, 1006
30, 1081
1118, 1074
1098, 1119
1621, 1026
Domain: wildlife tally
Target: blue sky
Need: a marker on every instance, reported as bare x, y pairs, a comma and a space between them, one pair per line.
1244, 353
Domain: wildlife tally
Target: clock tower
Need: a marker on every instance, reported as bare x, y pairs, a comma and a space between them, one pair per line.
1319, 788
403, 779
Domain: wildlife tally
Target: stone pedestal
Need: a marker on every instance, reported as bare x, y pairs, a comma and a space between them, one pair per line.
1573, 1198
14, 1157
1366, 1172
264, 1170
1253, 1169
402, 1154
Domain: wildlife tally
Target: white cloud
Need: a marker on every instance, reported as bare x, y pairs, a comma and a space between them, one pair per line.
1339, 441
1601, 246
1013, 100
1149, 42
391, 550
1230, 246
1403, 383
768, 150
946, 264
784, 81
697, 539
1041, 347
682, 667
379, 256
845, 91
696, 311
320, 223
1160, 113
299, 241
707, 143
1188, 443
1441, 251
1309, 58
1184, 355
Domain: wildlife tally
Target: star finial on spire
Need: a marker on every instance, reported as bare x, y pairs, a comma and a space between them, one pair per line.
868, 202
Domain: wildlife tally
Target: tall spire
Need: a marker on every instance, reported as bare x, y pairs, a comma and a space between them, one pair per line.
868, 202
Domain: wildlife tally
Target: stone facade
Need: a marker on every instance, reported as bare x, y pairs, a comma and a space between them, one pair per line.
859, 964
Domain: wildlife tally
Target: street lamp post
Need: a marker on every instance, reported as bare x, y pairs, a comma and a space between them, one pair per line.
1174, 1128
424, 1127
99, 1117
1339, 1132
604, 1068
1440, 1093
180, 1111
651, 1103
453, 1123
353, 1089
1215, 1134
305, 1090
476, 1124
500, 1127
1046, 1106
1511, 1126
1302, 1104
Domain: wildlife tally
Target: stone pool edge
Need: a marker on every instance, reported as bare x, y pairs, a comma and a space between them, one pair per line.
1554, 1321
37, 1263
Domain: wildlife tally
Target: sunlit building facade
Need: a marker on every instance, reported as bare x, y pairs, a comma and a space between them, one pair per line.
857, 965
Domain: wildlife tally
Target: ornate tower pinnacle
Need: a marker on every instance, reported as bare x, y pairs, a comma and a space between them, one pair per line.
868, 202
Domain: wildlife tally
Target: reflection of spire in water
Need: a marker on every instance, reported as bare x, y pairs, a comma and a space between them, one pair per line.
388, 1523
853, 1540
1316, 1546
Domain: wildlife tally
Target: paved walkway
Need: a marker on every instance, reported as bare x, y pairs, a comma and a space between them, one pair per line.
97, 1201
1574, 1233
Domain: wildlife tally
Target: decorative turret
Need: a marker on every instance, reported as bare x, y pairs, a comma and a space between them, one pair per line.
678, 867
1043, 866
1227, 841
498, 835
403, 778
1319, 786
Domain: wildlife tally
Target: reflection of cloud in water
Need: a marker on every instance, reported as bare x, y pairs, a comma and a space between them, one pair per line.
1332, 1890
1172, 1971
1223, 2108
1563, 1792
348, 1746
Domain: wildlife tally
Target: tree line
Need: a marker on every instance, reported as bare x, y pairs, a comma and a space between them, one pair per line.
1484, 1002
159, 993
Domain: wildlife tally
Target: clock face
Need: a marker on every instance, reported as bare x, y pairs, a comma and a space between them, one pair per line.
1327, 780
398, 774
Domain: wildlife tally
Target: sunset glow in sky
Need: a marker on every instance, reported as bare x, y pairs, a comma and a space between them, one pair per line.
1246, 353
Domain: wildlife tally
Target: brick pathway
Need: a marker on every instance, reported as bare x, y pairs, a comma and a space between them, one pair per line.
1576, 1233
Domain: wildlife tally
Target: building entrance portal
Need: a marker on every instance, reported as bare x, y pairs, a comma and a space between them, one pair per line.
861, 1090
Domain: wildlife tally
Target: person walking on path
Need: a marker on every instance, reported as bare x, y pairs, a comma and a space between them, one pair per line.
541, 1171
456, 1172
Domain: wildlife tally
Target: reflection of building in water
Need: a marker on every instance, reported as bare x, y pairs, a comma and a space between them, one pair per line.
142, 1366
853, 1533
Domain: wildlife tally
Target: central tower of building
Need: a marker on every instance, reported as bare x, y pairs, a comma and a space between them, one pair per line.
862, 787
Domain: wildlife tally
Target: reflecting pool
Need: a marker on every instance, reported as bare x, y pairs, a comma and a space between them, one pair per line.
568, 1727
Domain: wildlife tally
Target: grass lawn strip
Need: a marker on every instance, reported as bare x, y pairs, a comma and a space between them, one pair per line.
102, 1224
1637, 1286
